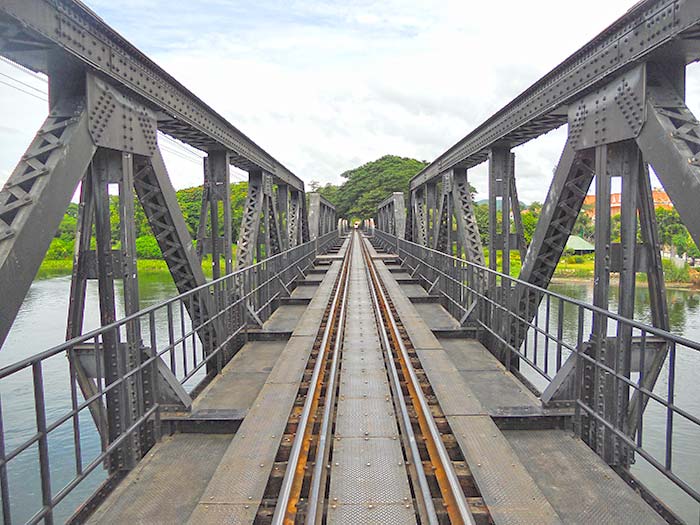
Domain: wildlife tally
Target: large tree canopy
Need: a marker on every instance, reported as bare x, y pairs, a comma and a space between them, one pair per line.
365, 187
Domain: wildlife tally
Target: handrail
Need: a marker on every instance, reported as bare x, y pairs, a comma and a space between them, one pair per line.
169, 348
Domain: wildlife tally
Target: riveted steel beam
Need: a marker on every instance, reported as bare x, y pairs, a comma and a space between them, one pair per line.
39, 31
216, 194
35, 197
670, 142
651, 28
321, 216
393, 211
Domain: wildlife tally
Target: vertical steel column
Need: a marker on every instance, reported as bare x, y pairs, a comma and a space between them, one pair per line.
315, 214
430, 212
140, 393
515, 209
499, 173
467, 229
420, 216
657, 293
115, 362
294, 219
217, 193
597, 389
283, 214
250, 225
76, 303
399, 215
628, 165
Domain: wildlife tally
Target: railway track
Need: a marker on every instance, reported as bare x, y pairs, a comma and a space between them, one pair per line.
366, 441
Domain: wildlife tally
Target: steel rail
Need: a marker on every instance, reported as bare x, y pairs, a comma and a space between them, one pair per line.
315, 501
285, 510
450, 487
426, 505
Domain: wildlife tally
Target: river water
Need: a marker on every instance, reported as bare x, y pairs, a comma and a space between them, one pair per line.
41, 324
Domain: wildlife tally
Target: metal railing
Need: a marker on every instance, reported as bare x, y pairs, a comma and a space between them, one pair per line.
54, 454
557, 345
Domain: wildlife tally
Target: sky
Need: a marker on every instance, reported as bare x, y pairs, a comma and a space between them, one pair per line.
326, 86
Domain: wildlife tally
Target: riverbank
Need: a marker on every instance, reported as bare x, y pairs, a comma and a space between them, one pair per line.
61, 267
573, 268
569, 269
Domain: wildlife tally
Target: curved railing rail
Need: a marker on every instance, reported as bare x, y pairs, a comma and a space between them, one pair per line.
558, 346
55, 453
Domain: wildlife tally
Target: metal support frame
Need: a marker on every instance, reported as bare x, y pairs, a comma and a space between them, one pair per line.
216, 199
35, 197
453, 221
322, 217
393, 215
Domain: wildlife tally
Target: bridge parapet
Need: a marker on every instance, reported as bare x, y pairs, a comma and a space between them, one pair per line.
177, 357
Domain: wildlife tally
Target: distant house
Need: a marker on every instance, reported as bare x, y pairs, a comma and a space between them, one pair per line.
579, 245
661, 200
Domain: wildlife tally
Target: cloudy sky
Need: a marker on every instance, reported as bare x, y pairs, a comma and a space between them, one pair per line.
327, 86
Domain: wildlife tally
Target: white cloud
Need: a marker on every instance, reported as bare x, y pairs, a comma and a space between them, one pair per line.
326, 86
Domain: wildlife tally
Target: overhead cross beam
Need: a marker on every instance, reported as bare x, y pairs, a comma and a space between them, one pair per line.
652, 28
36, 32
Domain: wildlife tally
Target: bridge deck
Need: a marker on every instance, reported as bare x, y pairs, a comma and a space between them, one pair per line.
527, 467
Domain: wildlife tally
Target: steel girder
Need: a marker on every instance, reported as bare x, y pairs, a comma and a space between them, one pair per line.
283, 214
322, 216
250, 224
294, 218
393, 215
670, 142
572, 178
260, 235
420, 216
216, 192
467, 229
442, 227
651, 28
455, 209
39, 31
157, 197
35, 197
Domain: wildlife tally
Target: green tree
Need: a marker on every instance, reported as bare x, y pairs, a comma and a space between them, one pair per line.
365, 187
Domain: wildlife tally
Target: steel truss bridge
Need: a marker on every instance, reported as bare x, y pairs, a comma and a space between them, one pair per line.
392, 374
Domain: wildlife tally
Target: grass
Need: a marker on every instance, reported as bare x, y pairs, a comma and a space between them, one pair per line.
583, 267
570, 267
60, 267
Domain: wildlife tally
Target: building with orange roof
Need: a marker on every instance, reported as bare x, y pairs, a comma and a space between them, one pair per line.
661, 200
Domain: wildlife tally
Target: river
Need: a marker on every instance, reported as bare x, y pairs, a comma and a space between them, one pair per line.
41, 324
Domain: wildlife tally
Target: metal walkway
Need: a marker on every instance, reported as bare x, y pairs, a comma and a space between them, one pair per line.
514, 461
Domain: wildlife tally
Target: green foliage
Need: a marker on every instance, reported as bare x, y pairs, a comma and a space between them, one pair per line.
147, 247
584, 227
365, 187
481, 212
675, 274
529, 219
190, 201
60, 249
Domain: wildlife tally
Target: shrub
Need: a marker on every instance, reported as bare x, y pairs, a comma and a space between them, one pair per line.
60, 249
675, 274
147, 247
